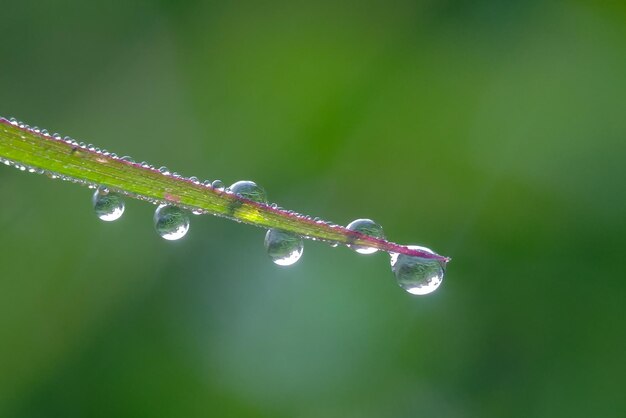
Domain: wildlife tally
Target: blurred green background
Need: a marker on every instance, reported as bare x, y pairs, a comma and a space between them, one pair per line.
492, 132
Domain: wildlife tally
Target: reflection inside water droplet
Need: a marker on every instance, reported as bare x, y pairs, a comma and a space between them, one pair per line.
366, 227
249, 190
171, 222
417, 275
107, 205
217, 184
284, 248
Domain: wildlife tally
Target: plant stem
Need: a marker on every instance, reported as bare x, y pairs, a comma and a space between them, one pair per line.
30, 149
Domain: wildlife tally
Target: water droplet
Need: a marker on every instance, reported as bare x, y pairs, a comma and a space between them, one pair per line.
417, 275
249, 190
217, 184
171, 222
367, 227
108, 206
164, 170
284, 248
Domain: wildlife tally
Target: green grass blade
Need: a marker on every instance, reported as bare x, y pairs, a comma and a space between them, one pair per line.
32, 150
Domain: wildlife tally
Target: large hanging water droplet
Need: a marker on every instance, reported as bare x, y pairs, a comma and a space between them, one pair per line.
284, 248
366, 227
417, 275
108, 206
249, 190
171, 222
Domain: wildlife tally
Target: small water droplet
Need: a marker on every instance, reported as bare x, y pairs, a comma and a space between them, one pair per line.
417, 275
217, 185
164, 170
366, 227
171, 222
249, 190
108, 206
284, 248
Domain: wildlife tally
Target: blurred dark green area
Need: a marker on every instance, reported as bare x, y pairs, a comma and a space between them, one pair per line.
492, 132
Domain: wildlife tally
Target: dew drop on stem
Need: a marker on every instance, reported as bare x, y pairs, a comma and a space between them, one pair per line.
171, 222
417, 275
108, 206
366, 227
249, 190
217, 185
283, 248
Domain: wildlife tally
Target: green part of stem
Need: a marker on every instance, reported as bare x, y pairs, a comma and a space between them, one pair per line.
26, 147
